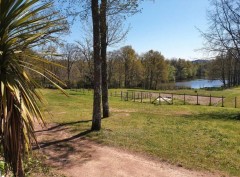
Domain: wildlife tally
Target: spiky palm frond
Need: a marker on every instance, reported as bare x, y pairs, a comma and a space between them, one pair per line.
23, 25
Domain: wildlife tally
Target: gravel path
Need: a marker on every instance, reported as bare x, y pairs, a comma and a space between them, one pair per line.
75, 156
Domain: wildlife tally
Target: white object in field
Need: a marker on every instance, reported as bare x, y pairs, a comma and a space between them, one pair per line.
164, 99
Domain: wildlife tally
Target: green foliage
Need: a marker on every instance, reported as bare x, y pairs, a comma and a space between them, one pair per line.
128, 69
24, 24
184, 69
156, 70
2, 167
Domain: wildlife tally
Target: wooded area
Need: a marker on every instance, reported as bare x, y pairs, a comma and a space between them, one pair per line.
126, 68
222, 40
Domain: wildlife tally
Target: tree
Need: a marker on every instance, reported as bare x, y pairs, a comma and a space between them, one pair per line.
70, 55
24, 25
96, 121
216, 69
85, 62
111, 9
99, 17
184, 69
171, 73
115, 69
128, 56
108, 10
222, 38
225, 68
49, 53
103, 35
156, 70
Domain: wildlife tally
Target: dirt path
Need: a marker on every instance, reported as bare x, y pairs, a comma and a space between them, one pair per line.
75, 156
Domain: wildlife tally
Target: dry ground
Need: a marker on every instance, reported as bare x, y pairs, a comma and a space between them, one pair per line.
75, 156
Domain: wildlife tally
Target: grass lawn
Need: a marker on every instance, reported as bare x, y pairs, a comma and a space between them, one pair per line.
196, 137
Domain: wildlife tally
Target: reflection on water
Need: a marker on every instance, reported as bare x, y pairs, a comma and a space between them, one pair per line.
200, 83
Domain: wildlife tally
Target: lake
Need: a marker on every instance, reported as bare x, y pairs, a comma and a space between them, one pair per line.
200, 83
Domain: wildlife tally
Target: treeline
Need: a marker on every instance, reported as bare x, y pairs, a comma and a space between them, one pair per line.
126, 68
226, 67
222, 40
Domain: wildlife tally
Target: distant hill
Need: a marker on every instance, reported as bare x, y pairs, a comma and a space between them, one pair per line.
200, 61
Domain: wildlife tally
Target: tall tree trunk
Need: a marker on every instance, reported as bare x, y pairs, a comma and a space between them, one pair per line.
20, 171
223, 72
68, 73
96, 119
103, 32
126, 74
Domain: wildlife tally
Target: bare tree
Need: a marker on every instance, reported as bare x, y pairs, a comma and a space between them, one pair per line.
69, 55
223, 36
99, 14
85, 62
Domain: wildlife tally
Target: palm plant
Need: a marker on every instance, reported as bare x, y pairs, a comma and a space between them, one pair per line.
24, 24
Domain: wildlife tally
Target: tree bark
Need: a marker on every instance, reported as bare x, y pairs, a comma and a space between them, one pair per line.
96, 119
68, 72
103, 32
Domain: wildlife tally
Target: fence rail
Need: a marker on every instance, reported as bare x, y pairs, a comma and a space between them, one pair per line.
170, 98
173, 98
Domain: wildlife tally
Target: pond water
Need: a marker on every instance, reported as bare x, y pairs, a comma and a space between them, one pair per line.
200, 83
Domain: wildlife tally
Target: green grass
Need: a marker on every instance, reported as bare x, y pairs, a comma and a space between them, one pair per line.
196, 137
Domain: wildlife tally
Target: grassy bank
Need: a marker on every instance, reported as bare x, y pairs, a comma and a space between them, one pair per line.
197, 137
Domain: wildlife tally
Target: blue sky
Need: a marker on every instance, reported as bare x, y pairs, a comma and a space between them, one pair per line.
168, 26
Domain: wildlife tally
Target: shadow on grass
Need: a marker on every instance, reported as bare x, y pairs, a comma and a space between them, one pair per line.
46, 144
77, 93
53, 132
216, 116
62, 125
63, 149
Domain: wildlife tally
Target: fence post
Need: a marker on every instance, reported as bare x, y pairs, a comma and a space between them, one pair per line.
134, 97
150, 96
197, 99
235, 102
210, 103
172, 98
121, 95
141, 96
222, 102
159, 102
184, 98
127, 96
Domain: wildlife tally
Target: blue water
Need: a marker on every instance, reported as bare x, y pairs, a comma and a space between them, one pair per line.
200, 83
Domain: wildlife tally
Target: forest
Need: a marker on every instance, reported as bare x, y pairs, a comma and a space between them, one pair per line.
126, 68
